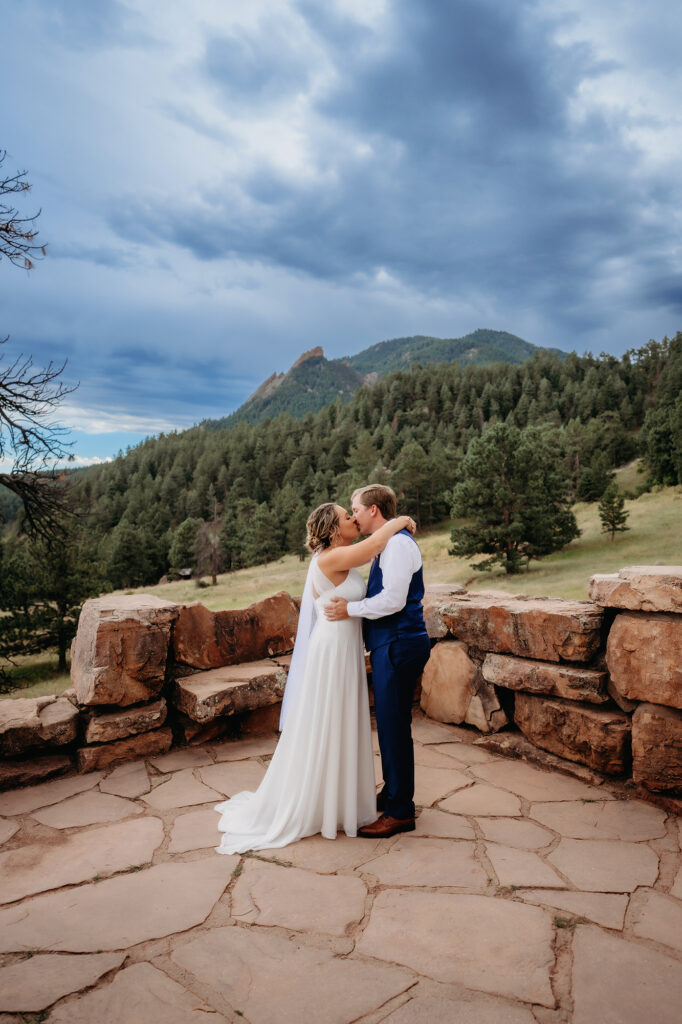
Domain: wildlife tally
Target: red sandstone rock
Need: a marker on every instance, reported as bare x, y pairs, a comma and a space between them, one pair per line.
261, 721
644, 657
28, 723
575, 683
657, 748
104, 727
448, 682
106, 755
434, 598
533, 627
26, 773
453, 689
623, 703
196, 733
204, 639
600, 739
646, 588
120, 651
514, 745
229, 690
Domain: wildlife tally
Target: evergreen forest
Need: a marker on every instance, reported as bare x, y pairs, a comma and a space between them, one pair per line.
210, 500
252, 486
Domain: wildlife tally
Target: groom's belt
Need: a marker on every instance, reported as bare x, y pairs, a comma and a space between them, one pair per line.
376, 635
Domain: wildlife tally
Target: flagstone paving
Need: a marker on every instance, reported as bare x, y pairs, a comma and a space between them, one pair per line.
129, 780
87, 809
522, 897
39, 981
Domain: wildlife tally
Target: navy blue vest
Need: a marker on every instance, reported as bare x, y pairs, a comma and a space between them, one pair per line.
405, 624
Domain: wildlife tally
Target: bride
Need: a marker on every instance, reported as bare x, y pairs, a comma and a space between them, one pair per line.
321, 777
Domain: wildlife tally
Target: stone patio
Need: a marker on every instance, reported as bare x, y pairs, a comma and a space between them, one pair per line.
523, 896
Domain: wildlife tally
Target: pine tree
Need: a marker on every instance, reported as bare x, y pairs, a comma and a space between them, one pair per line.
43, 591
129, 562
595, 477
262, 537
412, 480
181, 554
612, 511
514, 497
362, 459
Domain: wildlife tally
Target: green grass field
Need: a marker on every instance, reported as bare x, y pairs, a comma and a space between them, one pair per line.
36, 675
654, 538
631, 476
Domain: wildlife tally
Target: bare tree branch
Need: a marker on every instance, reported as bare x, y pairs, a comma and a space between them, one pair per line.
27, 398
17, 234
29, 438
45, 501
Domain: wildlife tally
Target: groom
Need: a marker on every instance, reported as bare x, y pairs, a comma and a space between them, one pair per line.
395, 636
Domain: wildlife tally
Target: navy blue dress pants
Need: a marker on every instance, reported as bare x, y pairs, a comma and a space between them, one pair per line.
396, 667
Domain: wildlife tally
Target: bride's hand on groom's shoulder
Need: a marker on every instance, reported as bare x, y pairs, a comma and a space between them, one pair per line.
410, 525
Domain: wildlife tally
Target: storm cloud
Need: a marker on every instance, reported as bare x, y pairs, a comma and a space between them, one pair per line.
228, 186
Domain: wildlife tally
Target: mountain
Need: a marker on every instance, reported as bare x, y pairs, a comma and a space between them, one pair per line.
314, 381
482, 346
311, 383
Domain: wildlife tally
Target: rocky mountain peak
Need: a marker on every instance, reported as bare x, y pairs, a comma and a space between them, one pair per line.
313, 353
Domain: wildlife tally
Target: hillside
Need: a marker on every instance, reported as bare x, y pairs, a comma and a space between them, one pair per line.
254, 484
411, 428
478, 348
217, 500
563, 574
311, 383
314, 381
566, 573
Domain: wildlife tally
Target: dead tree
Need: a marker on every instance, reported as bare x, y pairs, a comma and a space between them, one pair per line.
17, 234
29, 440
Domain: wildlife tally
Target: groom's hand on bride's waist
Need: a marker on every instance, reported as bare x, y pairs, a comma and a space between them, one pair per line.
336, 609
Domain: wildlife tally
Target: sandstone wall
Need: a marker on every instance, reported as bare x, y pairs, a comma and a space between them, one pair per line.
148, 674
596, 685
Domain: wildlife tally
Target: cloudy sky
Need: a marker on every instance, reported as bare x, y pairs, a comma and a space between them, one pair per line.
224, 185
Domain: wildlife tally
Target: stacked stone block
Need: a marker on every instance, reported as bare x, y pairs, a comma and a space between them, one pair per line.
147, 674
596, 684
118, 669
542, 650
231, 667
31, 730
644, 659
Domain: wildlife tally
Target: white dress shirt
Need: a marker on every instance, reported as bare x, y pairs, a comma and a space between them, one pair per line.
399, 561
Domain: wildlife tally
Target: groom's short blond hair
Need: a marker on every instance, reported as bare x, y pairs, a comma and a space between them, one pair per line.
377, 494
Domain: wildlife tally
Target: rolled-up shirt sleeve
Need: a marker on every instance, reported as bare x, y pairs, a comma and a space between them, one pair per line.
399, 560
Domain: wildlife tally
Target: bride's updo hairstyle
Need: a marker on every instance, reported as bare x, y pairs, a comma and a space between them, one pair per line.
322, 527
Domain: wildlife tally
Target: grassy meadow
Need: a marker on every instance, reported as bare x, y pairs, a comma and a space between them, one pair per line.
654, 537
36, 675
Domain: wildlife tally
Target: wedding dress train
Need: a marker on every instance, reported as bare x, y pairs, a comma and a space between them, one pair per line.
321, 776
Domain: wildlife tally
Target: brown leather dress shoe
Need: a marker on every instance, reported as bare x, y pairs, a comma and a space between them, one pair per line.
386, 826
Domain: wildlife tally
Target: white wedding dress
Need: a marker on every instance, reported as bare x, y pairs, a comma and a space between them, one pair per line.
321, 777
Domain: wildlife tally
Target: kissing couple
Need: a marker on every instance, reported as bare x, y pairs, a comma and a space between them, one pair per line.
321, 776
